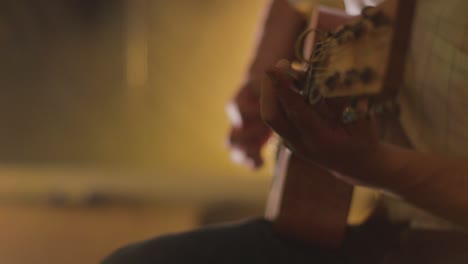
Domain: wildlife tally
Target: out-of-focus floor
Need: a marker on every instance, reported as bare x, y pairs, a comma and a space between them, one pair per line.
44, 235
49, 217
62, 235
134, 83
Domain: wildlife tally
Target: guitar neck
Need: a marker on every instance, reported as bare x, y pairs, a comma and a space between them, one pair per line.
306, 202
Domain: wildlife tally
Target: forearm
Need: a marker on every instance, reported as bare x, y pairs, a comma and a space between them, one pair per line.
277, 36
436, 183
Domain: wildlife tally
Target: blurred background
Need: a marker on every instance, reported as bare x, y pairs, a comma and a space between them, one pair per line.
113, 123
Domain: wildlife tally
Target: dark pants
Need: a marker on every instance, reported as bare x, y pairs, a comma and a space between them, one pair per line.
254, 242
245, 242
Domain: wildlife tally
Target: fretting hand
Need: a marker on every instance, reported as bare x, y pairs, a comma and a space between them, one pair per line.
315, 132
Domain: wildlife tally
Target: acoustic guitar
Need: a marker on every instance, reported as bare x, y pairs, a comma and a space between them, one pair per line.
351, 58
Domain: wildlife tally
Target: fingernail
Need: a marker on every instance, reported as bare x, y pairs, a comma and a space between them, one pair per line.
237, 156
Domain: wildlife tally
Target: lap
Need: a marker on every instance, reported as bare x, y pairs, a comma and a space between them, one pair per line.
250, 241
430, 246
254, 241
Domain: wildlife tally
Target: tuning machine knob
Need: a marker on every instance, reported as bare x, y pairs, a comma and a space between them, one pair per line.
333, 81
377, 18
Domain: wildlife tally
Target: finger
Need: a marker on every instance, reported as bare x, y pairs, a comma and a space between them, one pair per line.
294, 105
272, 112
247, 103
254, 157
330, 111
246, 143
252, 135
240, 113
283, 85
249, 157
249, 95
245, 106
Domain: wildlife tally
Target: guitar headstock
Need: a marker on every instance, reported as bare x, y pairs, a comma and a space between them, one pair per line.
364, 57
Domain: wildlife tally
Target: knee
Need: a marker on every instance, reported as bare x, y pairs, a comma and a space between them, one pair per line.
157, 250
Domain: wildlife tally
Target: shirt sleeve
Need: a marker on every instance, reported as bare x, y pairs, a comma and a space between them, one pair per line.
354, 7
306, 6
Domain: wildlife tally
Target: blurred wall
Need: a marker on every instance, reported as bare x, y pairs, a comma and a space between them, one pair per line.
119, 105
69, 101
197, 51
60, 78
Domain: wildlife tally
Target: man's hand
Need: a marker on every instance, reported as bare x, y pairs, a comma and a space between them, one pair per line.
315, 132
248, 132
276, 39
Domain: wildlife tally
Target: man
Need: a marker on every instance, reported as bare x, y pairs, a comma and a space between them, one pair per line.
432, 120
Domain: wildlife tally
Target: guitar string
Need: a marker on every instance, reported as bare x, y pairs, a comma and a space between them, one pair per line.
324, 74
336, 53
383, 35
327, 45
335, 56
340, 50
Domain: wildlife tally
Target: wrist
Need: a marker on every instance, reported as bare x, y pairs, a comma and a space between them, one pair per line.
372, 168
386, 168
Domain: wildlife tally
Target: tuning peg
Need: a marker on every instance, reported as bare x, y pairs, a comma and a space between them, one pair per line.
332, 81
